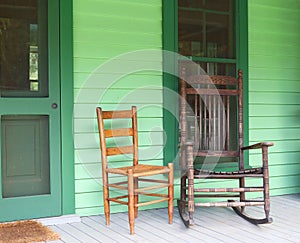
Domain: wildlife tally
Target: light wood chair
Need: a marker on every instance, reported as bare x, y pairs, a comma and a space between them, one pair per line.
112, 132
212, 147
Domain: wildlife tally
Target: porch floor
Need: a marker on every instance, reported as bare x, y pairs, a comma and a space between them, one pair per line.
211, 225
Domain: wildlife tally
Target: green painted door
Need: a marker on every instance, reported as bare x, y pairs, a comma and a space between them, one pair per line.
30, 110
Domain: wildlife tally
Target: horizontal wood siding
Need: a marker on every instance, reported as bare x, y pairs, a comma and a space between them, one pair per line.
104, 30
274, 88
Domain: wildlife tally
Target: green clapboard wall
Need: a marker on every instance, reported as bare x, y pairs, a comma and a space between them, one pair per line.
106, 29
274, 88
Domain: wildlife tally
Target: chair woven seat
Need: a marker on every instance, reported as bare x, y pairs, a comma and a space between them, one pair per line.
139, 169
237, 172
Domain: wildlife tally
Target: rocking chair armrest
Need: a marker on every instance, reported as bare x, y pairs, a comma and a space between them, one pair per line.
258, 145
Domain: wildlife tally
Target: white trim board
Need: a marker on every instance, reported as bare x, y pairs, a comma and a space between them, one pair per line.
65, 219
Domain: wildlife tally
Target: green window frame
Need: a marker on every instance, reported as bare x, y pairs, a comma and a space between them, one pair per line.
170, 43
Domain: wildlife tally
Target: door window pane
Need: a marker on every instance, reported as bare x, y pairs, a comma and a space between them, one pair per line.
190, 3
217, 5
219, 38
190, 33
210, 68
23, 48
206, 28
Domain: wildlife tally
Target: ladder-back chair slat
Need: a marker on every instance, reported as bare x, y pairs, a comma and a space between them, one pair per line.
119, 150
116, 114
118, 132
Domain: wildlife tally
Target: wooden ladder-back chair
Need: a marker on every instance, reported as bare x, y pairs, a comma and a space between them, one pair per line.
211, 123
123, 124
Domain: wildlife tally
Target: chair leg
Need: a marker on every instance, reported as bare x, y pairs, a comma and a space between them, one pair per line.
188, 220
242, 194
106, 201
266, 183
266, 195
136, 197
131, 201
191, 202
171, 192
191, 199
181, 203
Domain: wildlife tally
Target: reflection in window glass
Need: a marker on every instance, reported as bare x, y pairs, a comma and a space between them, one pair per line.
211, 68
23, 36
33, 54
217, 5
190, 33
206, 28
190, 3
219, 41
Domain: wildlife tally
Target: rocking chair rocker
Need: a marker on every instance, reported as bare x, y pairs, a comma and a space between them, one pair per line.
211, 122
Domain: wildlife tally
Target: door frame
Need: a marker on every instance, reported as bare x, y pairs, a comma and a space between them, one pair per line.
67, 104
62, 71
65, 74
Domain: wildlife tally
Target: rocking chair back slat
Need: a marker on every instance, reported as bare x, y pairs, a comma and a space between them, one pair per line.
211, 112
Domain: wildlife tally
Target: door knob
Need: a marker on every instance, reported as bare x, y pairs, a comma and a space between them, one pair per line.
54, 105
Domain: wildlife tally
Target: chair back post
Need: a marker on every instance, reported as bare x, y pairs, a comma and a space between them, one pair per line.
240, 118
135, 135
102, 142
182, 116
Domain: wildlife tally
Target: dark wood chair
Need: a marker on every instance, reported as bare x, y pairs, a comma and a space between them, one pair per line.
114, 126
212, 147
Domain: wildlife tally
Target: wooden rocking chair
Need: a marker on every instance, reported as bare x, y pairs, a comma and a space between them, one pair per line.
123, 124
211, 123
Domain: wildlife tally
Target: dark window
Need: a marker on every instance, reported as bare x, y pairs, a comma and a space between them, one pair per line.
206, 34
23, 48
212, 33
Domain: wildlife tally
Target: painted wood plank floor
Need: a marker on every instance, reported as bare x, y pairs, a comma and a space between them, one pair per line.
212, 225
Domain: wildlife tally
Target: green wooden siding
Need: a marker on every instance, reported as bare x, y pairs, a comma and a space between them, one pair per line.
102, 30
274, 88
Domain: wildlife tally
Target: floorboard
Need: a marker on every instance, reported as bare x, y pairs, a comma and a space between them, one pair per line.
211, 225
